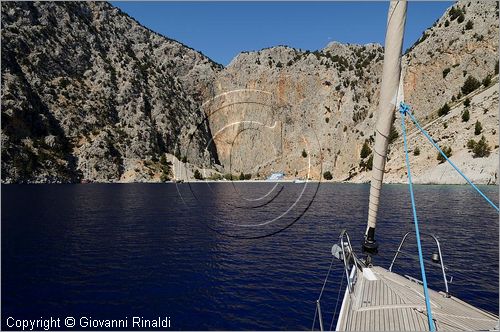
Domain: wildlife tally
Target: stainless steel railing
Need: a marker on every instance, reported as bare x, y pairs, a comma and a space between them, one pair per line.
440, 256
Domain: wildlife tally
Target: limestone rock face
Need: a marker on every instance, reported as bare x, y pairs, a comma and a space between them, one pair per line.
87, 91
449, 131
320, 102
453, 49
326, 101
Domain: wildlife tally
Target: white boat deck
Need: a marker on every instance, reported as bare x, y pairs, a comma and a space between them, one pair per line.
385, 301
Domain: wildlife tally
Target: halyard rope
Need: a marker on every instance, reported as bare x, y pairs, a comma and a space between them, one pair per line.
404, 109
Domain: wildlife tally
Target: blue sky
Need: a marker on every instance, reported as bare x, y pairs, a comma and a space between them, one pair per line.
223, 29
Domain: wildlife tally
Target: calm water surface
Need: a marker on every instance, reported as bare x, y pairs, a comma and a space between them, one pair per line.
201, 254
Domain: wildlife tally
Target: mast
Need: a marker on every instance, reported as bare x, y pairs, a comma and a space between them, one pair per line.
396, 20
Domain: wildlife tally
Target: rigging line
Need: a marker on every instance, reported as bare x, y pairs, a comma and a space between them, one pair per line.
403, 109
314, 320
451, 163
326, 279
337, 302
321, 293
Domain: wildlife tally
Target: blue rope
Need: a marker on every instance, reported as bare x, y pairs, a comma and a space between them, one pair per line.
403, 110
407, 111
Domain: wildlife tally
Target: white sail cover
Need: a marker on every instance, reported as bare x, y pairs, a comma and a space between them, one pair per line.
388, 98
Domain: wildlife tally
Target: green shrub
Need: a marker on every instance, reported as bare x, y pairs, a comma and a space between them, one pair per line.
242, 176
248, 176
163, 160
454, 13
471, 84
469, 25
365, 151
416, 152
465, 116
457, 13
446, 71
369, 163
164, 177
327, 175
166, 169
215, 177
64, 82
304, 153
184, 159
366, 165
446, 23
447, 151
481, 148
197, 175
471, 144
393, 134
486, 81
467, 102
478, 128
444, 110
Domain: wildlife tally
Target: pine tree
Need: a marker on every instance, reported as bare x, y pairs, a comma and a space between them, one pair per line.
444, 110
487, 81
447, 151
478, 128
481, 148
465, 116
393, 134
470, 84
365, 150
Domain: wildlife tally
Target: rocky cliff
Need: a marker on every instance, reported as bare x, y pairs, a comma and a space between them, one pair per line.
89, 94
319, 108
451, 131
323, 103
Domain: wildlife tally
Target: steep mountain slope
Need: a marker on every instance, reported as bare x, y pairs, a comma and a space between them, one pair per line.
454, 131
88, 93
321, 104
462, 43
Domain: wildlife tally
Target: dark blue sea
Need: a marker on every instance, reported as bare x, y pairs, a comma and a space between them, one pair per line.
226, 256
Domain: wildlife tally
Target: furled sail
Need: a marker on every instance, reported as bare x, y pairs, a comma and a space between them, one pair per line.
388, 98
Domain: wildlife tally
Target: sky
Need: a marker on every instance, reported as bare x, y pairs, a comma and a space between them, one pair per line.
221, 30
